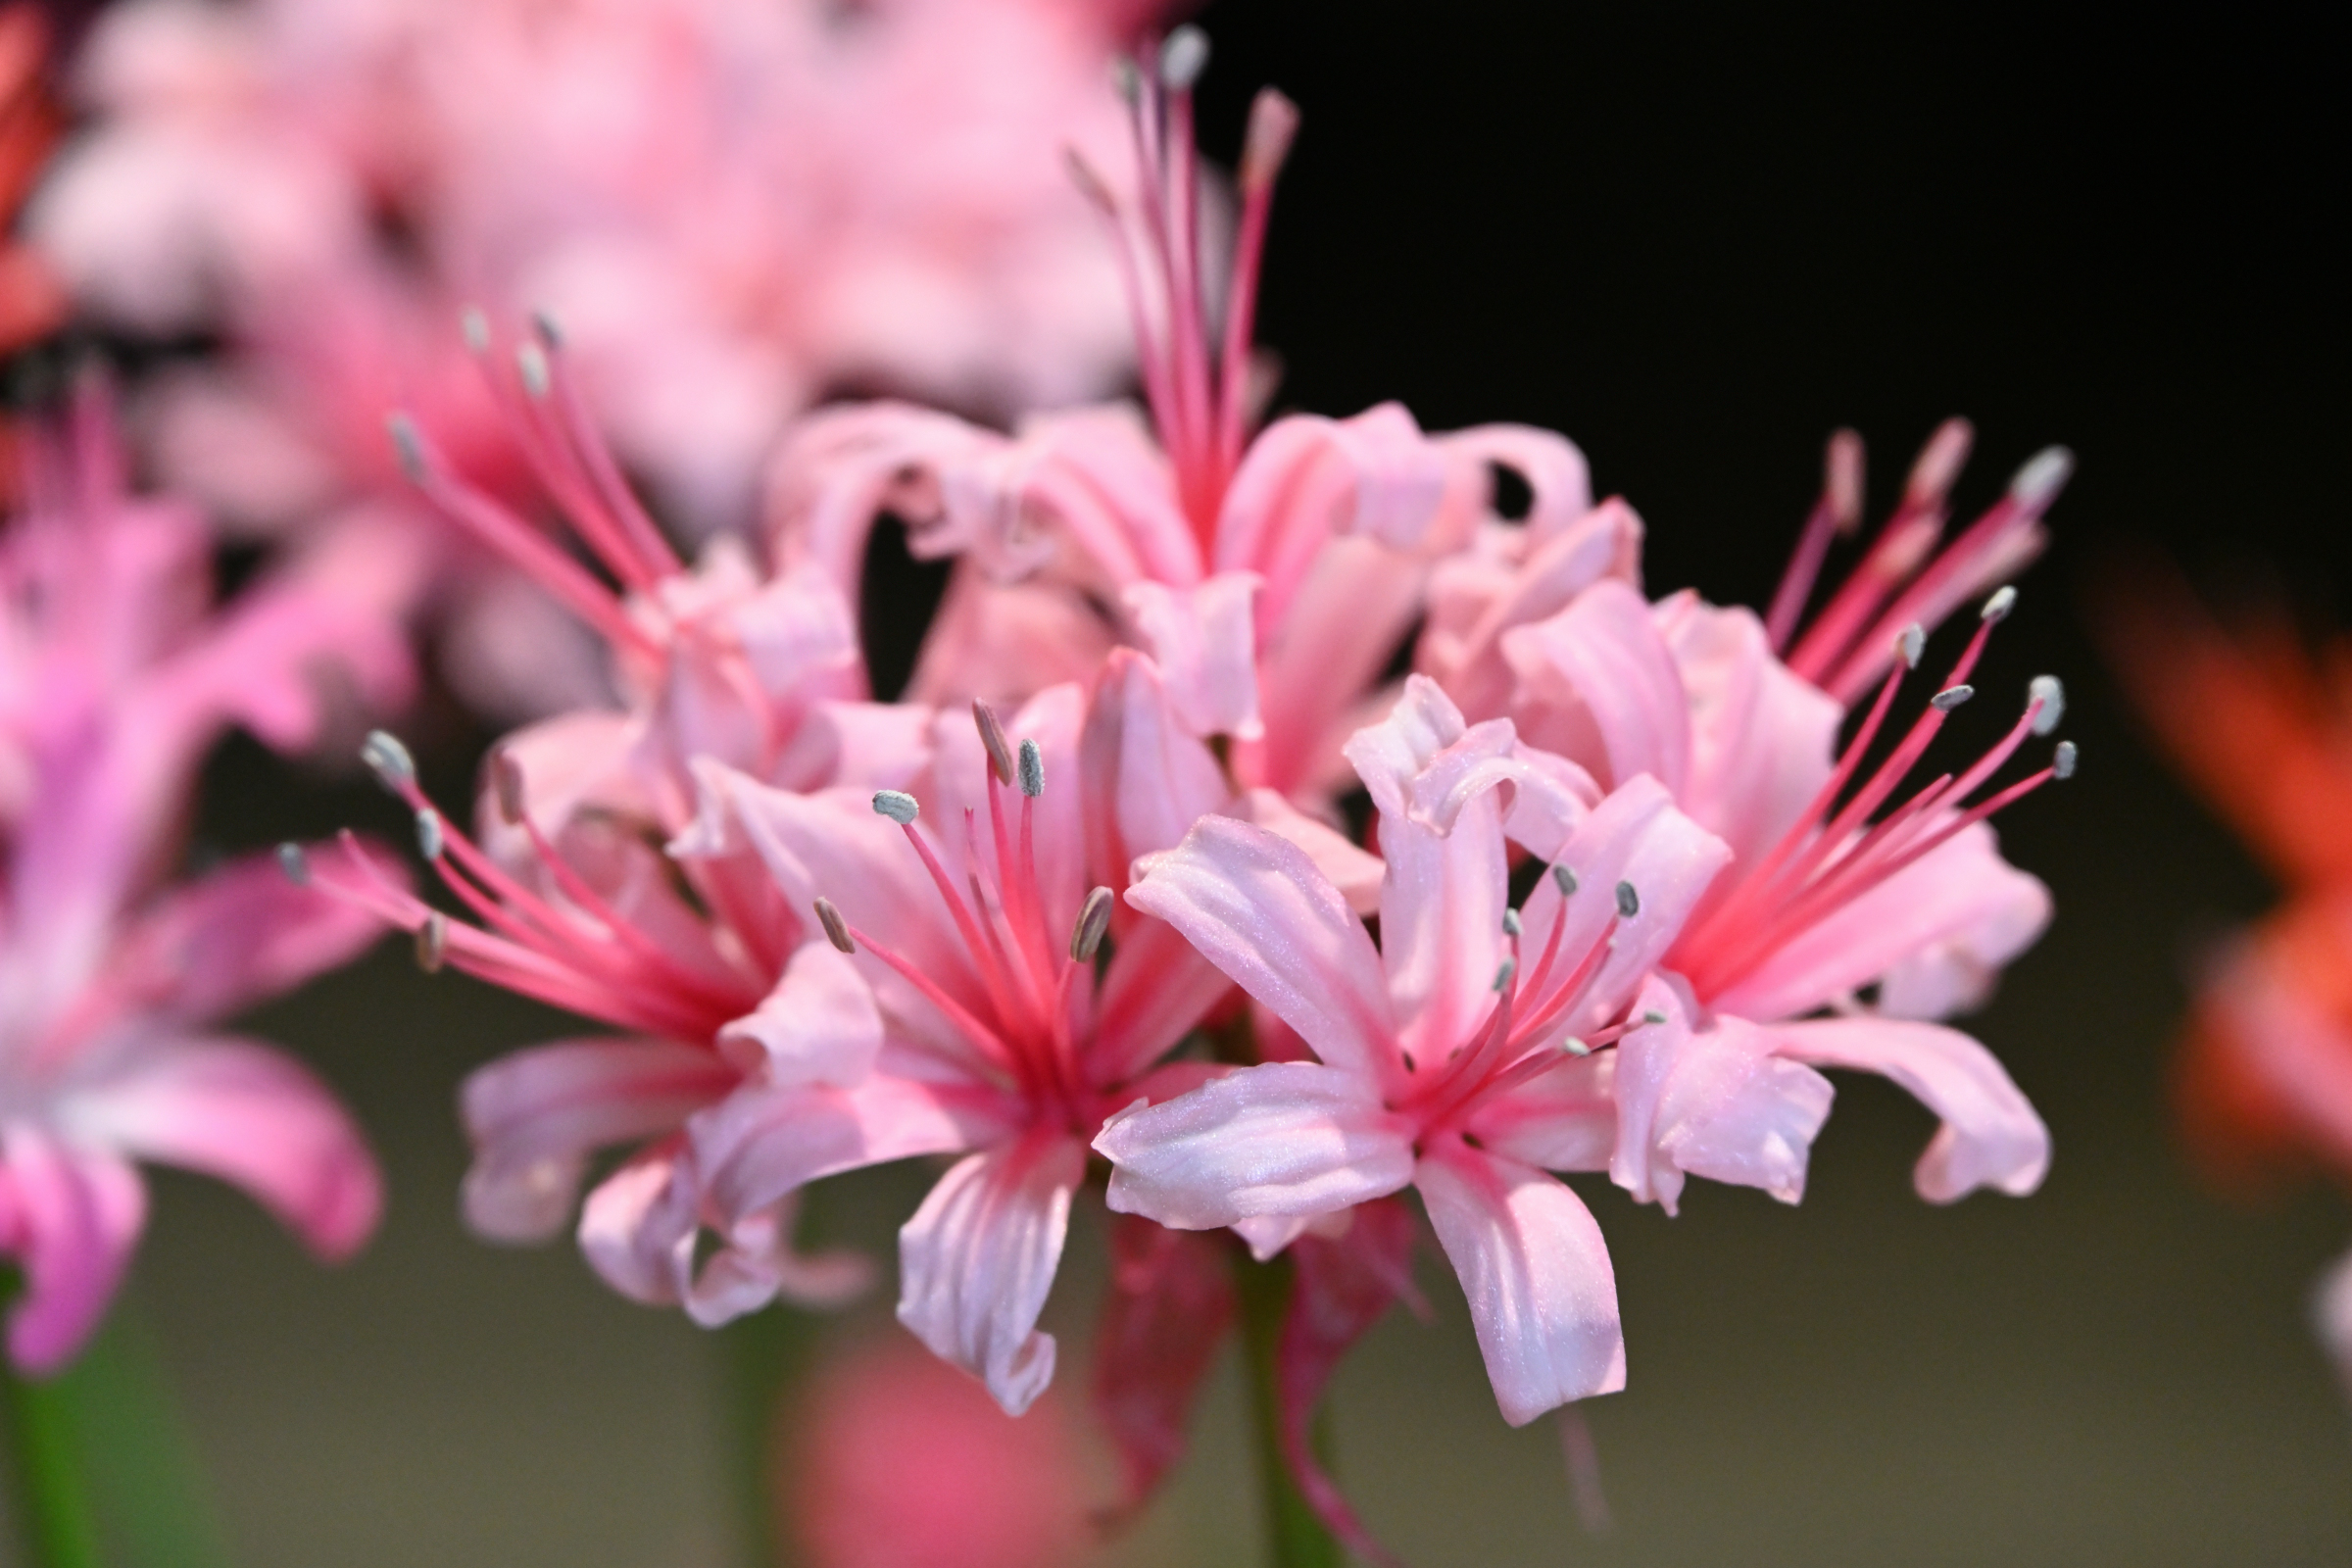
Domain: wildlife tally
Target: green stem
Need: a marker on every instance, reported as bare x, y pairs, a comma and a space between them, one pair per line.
54, 1518
1295, 1533
765, 1357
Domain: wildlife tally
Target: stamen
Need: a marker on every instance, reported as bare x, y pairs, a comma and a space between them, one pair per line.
1183, 58
1504, 974
1652, 1017
1911, 644
1629, 902
294, 863
389, 761
1093, 919
1952, 697
1565, 879
2044, 475
530, 362
1273, 126
898, 806
2063, 760
992, 737
408, 446
2046, 695
1997, 608
1575, 1046
1510, 922
1940, 463
432, 943
430, 840
475, 326
837, 930
1032, 771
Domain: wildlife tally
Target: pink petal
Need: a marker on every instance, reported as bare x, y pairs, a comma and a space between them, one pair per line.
1390, 756
1543, 1295
1003, 641
1942, 927
1712, 1101
819, 1025
1991, 1136
1558, 483
1343, 1286
1157, 990
252, 1116
1307, 477
1258, 908
840, 469
1290, 1138
1356, 872
1599, 685
1146, 778
73, 1215
877, 745
1545, 797
1325, 649
535, 1117
1170, 1303
1205, 641
1441, 904
977, 1259
1563, 1120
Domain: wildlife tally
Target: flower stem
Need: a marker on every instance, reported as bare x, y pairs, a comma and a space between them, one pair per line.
765, 1357
54, 1519
1295, 1533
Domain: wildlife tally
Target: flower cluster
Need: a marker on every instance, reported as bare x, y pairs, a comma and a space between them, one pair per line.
116, 673
1083, 916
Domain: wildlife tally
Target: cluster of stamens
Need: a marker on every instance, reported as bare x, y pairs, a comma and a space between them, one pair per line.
1830, 857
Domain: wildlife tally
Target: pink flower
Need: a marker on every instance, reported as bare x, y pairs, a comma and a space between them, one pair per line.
1458, 1057
1270, 572
115, 674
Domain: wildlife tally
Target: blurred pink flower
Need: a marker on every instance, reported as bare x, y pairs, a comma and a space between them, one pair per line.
898, 1461
116, 673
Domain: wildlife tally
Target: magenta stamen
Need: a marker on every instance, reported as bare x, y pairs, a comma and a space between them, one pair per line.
989, 1044
991, 978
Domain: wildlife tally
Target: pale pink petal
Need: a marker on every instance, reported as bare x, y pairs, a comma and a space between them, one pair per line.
1258, 908
1169, 1305
1005, 641
1991, 1136
1156, 991
1356, 872
1599, 685
638, 1226
580, 761
1205, 641
1559, 485
1565, 1120
1543, 796
1543, 1295
74, 1216
877, 745
1289, 1138
1323, 659
840, 469
1441, 903
977, 1259
819, 1025
1944, 925
1390, 756
1146, 778
1307, 477
535, 1117
1712, 1101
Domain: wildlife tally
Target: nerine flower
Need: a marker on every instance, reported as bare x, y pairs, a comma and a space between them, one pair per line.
115, 674
1271, 572
1459, 1056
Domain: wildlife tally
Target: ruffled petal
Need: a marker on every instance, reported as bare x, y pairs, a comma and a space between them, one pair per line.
819, 1025
977, 1259
1291, 1137
758, 1145
1205, 641
73, 1215
535, 1117
1258, 908
1542, 1295
1354, 872
1991, 1136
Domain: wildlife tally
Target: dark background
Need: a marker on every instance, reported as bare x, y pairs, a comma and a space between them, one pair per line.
1694, 242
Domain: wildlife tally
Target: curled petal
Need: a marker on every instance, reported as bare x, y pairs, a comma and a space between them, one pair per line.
819, 1025
1599, 685
535, 1116
1256, 907
1307, 477
73, 1216
977, 1259
1205, 641
1542, 1293
1293, 1139
1991, 1136
1559, 484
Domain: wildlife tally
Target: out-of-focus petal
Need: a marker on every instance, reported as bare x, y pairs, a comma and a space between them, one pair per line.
819, 1025
1146, 778
1599, 685
1205, 641
1542, 1295
1991, 1136
1170, 1303
1289, 1138
75, 1214
978, 1258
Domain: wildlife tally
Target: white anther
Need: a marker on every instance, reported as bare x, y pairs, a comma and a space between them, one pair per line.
1183, 58
837, 930
2046, 695
431, 839
1093, 919
476, 329
898, 806
1510, 922
1565, 879
2044, 475
389, 760
408, 445
1502, 975
2062, 762
432, 943
294, 863
1032, 769
1629, 902
1952, 697
1997, 608
1911, 644
1575, 1046
530, 362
